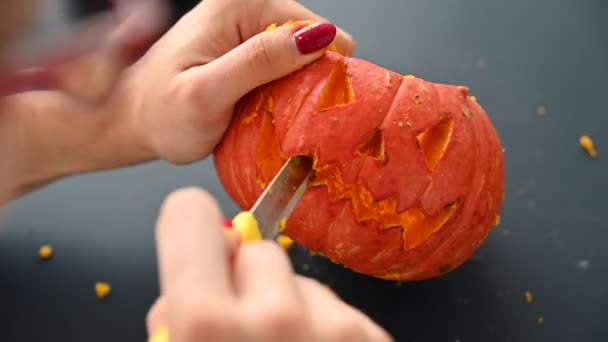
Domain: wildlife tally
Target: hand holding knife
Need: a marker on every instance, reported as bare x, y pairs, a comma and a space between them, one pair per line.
263, 220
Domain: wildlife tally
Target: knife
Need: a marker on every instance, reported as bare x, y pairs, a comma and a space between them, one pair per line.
277, 202
263, 220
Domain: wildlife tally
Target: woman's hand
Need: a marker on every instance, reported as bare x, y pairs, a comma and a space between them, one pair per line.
212, 290
174, 103
181, 95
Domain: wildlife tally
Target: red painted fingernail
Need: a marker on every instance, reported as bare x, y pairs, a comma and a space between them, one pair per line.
314, 37
227, 223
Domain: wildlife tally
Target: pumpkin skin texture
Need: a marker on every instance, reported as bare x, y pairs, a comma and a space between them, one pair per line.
409, 174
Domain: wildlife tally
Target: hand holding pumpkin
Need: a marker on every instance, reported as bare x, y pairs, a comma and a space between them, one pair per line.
174, 103
212, 290
181, 95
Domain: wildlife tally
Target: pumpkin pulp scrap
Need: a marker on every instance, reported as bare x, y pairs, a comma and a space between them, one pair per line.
417, 227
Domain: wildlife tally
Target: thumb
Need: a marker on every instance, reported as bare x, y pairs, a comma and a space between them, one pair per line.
268, 56
156, 315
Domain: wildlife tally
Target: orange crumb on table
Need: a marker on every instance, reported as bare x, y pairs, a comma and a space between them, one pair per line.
587, 144
540, 320
541, 110
528, 296
102, 289
45, 252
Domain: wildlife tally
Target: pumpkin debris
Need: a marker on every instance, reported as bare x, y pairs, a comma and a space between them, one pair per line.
306, 267
497, 220
528, 296
587, 144
282, 225
285, 241
541, 110
45, 252
506, 233
540, 320
271, 27
102, 289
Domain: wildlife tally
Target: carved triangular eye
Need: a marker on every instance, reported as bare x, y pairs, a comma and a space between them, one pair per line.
373, 146
434, 141
338, 89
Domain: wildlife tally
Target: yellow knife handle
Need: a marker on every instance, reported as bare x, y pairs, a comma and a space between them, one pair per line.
161, 335
247, 226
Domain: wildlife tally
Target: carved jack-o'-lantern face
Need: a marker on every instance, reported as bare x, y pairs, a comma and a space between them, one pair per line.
409, 175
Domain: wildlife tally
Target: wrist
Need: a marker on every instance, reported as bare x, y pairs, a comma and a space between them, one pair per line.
47, 136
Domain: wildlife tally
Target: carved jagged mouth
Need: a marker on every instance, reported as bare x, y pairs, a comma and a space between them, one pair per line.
416, 225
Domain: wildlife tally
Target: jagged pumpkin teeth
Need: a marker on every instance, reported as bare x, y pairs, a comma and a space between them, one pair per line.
409, 174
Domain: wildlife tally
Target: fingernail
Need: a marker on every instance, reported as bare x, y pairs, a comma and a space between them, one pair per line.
227, 223
314, 37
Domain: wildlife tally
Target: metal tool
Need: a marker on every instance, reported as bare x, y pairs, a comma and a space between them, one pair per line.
280, 198
276, 203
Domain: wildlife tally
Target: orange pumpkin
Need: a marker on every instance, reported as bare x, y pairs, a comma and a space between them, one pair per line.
409, 175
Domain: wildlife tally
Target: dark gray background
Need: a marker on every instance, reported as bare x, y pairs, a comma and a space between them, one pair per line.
514, 55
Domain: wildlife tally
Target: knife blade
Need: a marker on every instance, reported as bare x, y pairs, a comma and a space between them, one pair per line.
282, 195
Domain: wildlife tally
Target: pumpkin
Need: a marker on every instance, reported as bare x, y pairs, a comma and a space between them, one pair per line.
408, 174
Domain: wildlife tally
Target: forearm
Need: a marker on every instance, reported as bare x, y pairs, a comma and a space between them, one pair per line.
45, 136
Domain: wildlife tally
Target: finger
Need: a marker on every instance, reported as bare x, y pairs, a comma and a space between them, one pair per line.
263, 273
233, 242
191, 244
269, 295
156, 315
283, 11
265, 57
27, 80
333, 319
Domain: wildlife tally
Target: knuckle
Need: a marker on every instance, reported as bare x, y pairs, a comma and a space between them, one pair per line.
281, 317
198, 318
260, 54
186, 91
264, 252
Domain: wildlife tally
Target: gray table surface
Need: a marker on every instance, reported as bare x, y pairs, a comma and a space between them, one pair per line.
514, 55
